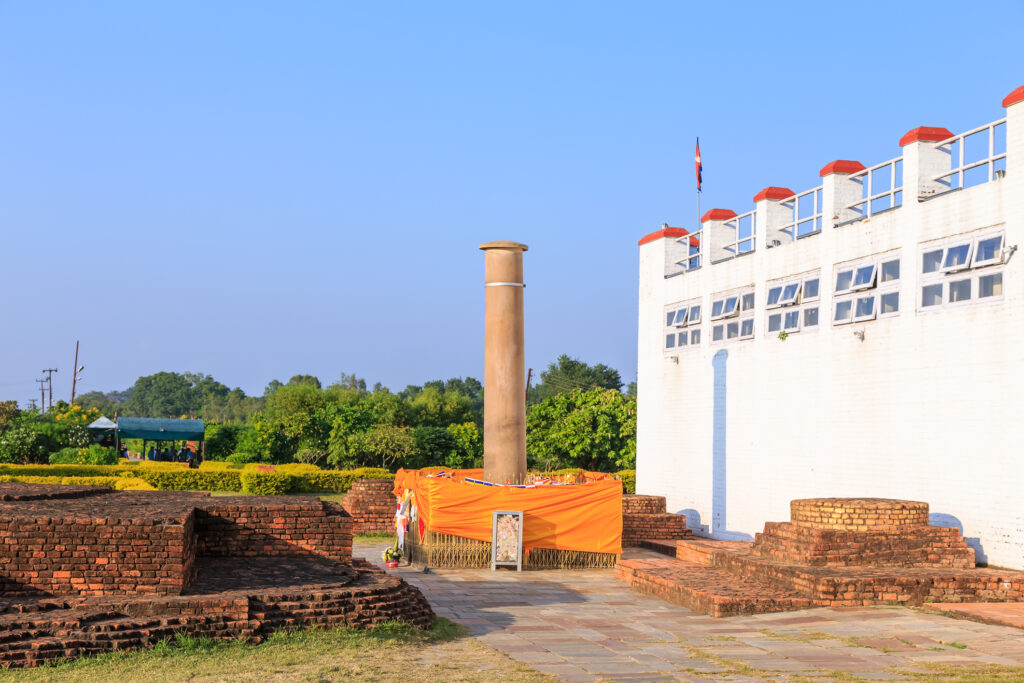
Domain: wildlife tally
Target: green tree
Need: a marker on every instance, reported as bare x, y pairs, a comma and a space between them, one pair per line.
432, 446
433, 408
165, 394
567, 374
594, 429
468, 447
304, 379
383, 445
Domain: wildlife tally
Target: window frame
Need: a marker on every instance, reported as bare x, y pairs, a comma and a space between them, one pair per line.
737, 314
686, 328
796, 303
973, 270
873, 288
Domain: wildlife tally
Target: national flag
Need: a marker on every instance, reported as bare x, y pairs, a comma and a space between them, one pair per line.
697, 165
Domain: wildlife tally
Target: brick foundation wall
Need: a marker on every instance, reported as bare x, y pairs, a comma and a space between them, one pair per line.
235, 527
645, 505
371, 504
857, 514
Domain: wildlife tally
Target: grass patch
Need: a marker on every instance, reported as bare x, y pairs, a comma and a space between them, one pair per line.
374, 538
811, 636
391, 651
970, 674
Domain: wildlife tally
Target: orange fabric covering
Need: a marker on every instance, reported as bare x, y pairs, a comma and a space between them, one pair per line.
585, 517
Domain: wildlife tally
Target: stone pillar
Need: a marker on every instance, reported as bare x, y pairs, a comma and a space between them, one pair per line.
504, 364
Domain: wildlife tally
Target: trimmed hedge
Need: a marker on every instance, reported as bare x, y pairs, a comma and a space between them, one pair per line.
267, 483
192, 480
119, 483
628, 478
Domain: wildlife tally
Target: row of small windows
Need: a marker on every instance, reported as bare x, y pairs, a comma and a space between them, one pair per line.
953, 273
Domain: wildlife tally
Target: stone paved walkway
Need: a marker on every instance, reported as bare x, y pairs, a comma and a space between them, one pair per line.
587, 625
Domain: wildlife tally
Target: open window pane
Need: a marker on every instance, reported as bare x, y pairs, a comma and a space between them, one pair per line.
716, 308
681, 317
844, 312
694, 337
774, 294
931, 262
889, 303
670, 341
730, 305
890, 271
748, 301
747, 328
790, 293
865, 308
717, 333
989, 251
844, 281
811, 317
775, 322
960, 290
810, 289
732, 330
694, 315
865, 277
931, 295
791, 321
957, 257
990, 285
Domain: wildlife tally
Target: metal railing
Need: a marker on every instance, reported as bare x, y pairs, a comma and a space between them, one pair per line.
693, 246
990, 140
887, 177
806, 208
745, 227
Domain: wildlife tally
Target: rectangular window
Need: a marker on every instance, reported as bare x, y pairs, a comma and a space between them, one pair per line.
748, 301
988, 252
775, 322
747, 328
737, 305
810, 289
694, 337
789, 293
680, 321
774, 294
959, 290
732, 330
957, 257
890, 271
694, 317
717, 333
865, 309
889, 304
670, 317
865, 277
811, 317
990, 285
791, 321
683, 336
844, 312
931, 295
844, 281
716, 309
670, 341
931, 261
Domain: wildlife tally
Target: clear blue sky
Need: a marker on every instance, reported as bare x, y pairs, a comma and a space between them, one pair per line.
259, 189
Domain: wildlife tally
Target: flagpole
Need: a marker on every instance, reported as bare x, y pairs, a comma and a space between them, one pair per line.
698, 195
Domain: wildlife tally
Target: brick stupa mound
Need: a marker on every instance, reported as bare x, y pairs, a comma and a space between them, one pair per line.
833, 552
86, 570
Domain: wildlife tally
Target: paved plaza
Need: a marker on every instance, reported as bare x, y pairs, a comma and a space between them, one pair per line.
587, 625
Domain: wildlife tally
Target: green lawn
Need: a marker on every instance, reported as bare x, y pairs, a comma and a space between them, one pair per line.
391, 652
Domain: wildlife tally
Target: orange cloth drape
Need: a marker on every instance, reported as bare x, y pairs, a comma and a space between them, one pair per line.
585, 517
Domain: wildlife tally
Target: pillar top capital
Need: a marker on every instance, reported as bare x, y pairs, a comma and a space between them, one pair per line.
504, 244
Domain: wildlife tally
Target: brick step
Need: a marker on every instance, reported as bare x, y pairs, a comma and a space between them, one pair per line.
637, 526
715, 592
659, 545
702, 551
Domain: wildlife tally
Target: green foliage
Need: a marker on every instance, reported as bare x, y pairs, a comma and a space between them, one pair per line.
20, 443
468, 446
90, 455
568, 374
595, 430
628, 478
264, 442
240, 458
192, 480
267, 483
8, 414
434, 408
221, 439
165, 394
386, 445
337, 481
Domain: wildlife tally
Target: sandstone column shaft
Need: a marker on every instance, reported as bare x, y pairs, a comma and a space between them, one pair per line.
504, 364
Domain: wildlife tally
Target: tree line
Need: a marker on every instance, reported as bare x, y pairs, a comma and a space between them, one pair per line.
577, 416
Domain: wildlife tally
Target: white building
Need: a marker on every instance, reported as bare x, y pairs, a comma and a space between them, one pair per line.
862, 338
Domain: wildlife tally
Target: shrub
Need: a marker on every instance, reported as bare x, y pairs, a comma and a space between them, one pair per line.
22, 444
132, 484
243, 457
338, 481
62, 470
628, 478
218, 466
267, 483
299, 468
93, 455
192, 480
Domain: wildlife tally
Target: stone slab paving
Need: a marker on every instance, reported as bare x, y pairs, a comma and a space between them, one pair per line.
587, 626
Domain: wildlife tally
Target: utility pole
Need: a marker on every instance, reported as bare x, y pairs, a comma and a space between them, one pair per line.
49, 381
32, 401
42, 394
74, 379
529, 376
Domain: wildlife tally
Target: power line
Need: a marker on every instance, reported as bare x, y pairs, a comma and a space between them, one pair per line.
49, 380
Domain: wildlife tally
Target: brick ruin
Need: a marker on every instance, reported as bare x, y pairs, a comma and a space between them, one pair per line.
833, 552
87, 569
645, 518
371, 504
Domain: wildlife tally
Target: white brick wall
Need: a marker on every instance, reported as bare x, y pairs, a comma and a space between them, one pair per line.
927, 407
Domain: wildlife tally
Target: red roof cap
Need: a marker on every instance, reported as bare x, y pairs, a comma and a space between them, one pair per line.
1014, 97
718, 215
664, 232
773, 192
925, 134
841, 166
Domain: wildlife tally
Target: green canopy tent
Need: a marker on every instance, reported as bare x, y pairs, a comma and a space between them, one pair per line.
160, 429
103, 430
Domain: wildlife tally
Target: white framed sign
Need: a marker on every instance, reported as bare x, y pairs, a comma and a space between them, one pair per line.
507, 539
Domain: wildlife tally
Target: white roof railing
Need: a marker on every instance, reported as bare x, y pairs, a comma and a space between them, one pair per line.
745, 227
955, 146
890, 174
804, 223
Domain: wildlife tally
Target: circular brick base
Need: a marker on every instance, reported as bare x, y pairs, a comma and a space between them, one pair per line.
858, 514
